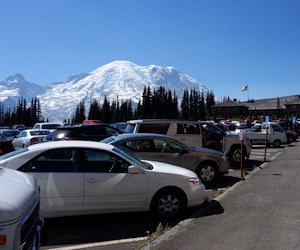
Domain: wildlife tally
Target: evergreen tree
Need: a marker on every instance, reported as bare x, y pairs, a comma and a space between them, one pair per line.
210, 101
185, 105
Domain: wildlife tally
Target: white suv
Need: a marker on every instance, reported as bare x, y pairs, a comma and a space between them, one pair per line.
196, 134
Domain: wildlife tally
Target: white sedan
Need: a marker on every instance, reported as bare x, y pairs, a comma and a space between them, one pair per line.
29, 137
79, 178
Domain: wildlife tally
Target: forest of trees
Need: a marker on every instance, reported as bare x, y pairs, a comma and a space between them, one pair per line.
156, 103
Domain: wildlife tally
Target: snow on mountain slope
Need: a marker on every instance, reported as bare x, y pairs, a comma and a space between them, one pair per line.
15, 87
119, 79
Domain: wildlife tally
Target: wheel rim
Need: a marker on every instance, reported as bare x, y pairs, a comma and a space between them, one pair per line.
236, 155
207, 173
168, 205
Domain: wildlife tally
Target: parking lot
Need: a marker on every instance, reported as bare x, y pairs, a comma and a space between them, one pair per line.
101, 230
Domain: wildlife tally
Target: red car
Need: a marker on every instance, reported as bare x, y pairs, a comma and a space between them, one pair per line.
5, 145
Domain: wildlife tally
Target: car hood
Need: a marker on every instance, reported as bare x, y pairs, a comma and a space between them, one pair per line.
18, 192
165, 168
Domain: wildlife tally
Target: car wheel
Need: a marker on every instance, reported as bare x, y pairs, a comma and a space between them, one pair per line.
290, 140
168, 203
235, 155
277, 143
207, 172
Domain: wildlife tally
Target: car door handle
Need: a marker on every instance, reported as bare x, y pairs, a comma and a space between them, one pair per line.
92, 180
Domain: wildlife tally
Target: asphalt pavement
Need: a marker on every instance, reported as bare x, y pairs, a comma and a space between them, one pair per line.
261, 212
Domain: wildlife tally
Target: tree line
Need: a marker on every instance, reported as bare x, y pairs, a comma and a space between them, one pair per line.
157, 103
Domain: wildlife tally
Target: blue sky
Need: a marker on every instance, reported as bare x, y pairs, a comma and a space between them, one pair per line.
224, 44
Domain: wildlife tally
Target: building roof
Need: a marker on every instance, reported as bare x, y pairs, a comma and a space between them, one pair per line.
229, 103
263, 104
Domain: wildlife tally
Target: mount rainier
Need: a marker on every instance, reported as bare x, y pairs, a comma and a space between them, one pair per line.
119, 79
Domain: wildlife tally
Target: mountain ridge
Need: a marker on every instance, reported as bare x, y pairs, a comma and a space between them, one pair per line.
118, 79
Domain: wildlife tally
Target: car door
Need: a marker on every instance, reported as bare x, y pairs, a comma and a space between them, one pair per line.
160, 149
108, 185
61, 182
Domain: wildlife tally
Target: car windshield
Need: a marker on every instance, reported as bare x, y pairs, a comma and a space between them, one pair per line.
13, 153
2, 136
141, 164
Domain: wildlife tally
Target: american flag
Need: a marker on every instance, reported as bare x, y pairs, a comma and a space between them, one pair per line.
244, 88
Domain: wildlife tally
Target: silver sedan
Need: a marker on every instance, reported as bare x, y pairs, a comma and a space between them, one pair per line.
29, 137
208, 164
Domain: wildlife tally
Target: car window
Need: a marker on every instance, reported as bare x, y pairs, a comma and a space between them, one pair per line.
100, 161
95, 131
39, 132
188, 128
50, 126
55, 160
129, 128
141, 145
161, 128
167, 146
276, 128
111, 131
22, 134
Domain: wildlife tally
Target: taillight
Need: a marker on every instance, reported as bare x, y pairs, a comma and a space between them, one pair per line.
69, 138
34, 140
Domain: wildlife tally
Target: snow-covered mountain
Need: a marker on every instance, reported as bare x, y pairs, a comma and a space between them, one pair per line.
15, 87
119, 79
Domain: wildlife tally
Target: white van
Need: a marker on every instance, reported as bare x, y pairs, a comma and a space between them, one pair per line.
46, 125
195, 134
20, 224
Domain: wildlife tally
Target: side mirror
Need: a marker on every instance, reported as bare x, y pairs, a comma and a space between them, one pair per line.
133, 170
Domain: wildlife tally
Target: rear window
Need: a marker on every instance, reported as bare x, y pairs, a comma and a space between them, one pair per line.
50, 126
39, 132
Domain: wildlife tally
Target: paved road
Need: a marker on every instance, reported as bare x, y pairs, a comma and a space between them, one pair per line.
261, 212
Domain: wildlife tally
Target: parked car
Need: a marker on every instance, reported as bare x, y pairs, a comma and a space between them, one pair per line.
10, 133
104, 179
29, 137
20, 224
208, 164
46, 125
291, 134
5, 145
90, 132
272, 131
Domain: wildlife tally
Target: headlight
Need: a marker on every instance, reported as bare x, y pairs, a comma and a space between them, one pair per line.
195, 181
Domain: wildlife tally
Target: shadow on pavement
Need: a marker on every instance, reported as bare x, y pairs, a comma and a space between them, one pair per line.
212, 207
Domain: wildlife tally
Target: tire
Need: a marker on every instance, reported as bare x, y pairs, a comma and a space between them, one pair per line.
207, 172
168, 204
235, 154
277, 144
